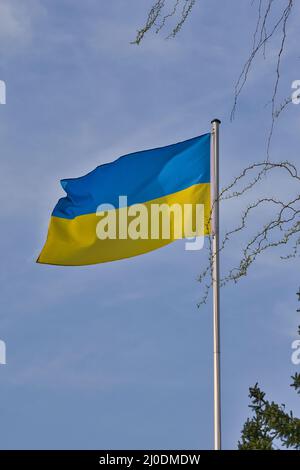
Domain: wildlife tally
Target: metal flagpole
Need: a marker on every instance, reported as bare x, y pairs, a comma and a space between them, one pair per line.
215, 277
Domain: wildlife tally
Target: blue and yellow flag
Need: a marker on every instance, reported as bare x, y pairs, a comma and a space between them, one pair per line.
136, 204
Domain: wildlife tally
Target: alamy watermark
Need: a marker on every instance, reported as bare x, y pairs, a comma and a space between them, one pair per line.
152, 221
295, 357
296, 93
2, 352
2, 92
2, 343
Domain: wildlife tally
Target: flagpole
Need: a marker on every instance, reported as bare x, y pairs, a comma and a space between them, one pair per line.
216, 278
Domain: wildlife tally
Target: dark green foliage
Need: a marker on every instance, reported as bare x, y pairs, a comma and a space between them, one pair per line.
271, 427
296, 382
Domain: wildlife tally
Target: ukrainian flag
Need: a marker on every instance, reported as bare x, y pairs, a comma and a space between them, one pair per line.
177, 174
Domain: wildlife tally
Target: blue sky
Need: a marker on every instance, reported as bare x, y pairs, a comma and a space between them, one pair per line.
117, 356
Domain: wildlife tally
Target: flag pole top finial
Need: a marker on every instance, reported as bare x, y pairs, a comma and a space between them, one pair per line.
216, 120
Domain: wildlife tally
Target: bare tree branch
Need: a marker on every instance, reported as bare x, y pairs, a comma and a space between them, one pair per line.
156, 12
281, 229
265, 31
260, 44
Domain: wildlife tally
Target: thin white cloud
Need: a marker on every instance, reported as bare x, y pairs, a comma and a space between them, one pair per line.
17, 21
